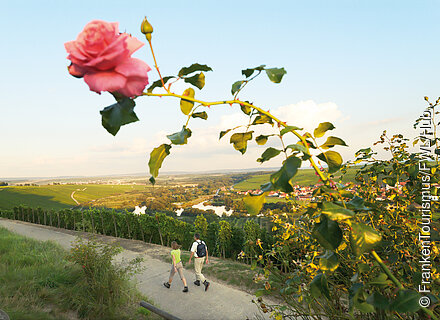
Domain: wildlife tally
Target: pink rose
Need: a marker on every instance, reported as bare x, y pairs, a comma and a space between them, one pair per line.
102, 56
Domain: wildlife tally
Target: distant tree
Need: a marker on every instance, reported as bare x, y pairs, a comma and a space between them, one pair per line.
237, 241
2, 183
252, 233
224, 236
212, 239
201, 225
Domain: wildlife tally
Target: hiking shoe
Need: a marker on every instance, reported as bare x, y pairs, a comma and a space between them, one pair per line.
197, 283
185, 289
206, 283
167, 285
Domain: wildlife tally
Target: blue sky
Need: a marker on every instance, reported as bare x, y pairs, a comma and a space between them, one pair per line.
365, 65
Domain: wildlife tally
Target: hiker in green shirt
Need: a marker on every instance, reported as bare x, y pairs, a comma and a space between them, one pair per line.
176, 266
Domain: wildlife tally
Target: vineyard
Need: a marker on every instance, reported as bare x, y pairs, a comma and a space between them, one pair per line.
227, 239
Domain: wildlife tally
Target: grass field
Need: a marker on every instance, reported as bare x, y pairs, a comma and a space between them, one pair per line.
59, 196
304, 177
37, 281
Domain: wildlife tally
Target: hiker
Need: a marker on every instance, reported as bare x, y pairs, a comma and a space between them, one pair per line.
176, 266
199, 250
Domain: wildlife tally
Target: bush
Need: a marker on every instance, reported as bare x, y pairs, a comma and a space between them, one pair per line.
107, 284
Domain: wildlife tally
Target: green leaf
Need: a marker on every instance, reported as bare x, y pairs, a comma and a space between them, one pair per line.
406, 301
248, 72
267, 187
282, 179
222, 133
333, 160
365, 151
262, 118
328, 233
357, 298
246, 109
275, 74
180, 137
380, 281
363, 238
268, 154
156, 158
363, 267
357, 203
333, 141
261, 139
197, 80
289, 129
319, 286
322, 129
158, 84
194, 67
203, 115
298, 147
260, 292
378, 301
118, 114
186, 105
239, 140
329, 261
152, 180
335, 212
254, 204
236, 86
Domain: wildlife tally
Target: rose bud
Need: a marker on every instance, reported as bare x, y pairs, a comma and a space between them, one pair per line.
147, 29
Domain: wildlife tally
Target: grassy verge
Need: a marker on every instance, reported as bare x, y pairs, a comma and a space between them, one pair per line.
225, 271
37, 282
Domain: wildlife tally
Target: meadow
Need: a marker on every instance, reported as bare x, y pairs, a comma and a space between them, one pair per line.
304, 177
59, 196
40, 282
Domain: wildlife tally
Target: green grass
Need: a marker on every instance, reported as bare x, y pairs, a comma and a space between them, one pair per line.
58, 196
37, 282
304, 177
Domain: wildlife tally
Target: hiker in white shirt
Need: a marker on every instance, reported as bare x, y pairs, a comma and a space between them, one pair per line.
200, 251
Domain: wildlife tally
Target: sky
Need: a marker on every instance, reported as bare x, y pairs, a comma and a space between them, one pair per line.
365, 66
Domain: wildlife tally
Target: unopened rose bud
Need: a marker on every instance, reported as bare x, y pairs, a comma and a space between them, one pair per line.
426, 98
147, 29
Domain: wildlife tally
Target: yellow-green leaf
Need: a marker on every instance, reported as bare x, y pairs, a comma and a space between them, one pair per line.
197, 80
336, 212
239, 140
363, 238
186, 105
254, 204
333, 160
333, 141
261, 139
322, 129
156, 158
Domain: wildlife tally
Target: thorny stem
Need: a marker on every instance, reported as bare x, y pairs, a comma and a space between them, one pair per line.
239, 102
157, 68
282, 143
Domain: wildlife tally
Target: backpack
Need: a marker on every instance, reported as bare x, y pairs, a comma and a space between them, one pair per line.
201, 249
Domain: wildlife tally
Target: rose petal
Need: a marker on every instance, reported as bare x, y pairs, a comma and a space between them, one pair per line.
133, 67
133, 44
76, 70
134, 87
72, 48
105, 81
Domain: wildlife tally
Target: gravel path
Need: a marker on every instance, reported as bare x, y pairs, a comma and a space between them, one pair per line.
219, 302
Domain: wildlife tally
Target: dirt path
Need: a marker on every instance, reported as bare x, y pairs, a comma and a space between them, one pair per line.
73, 193
219, 302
